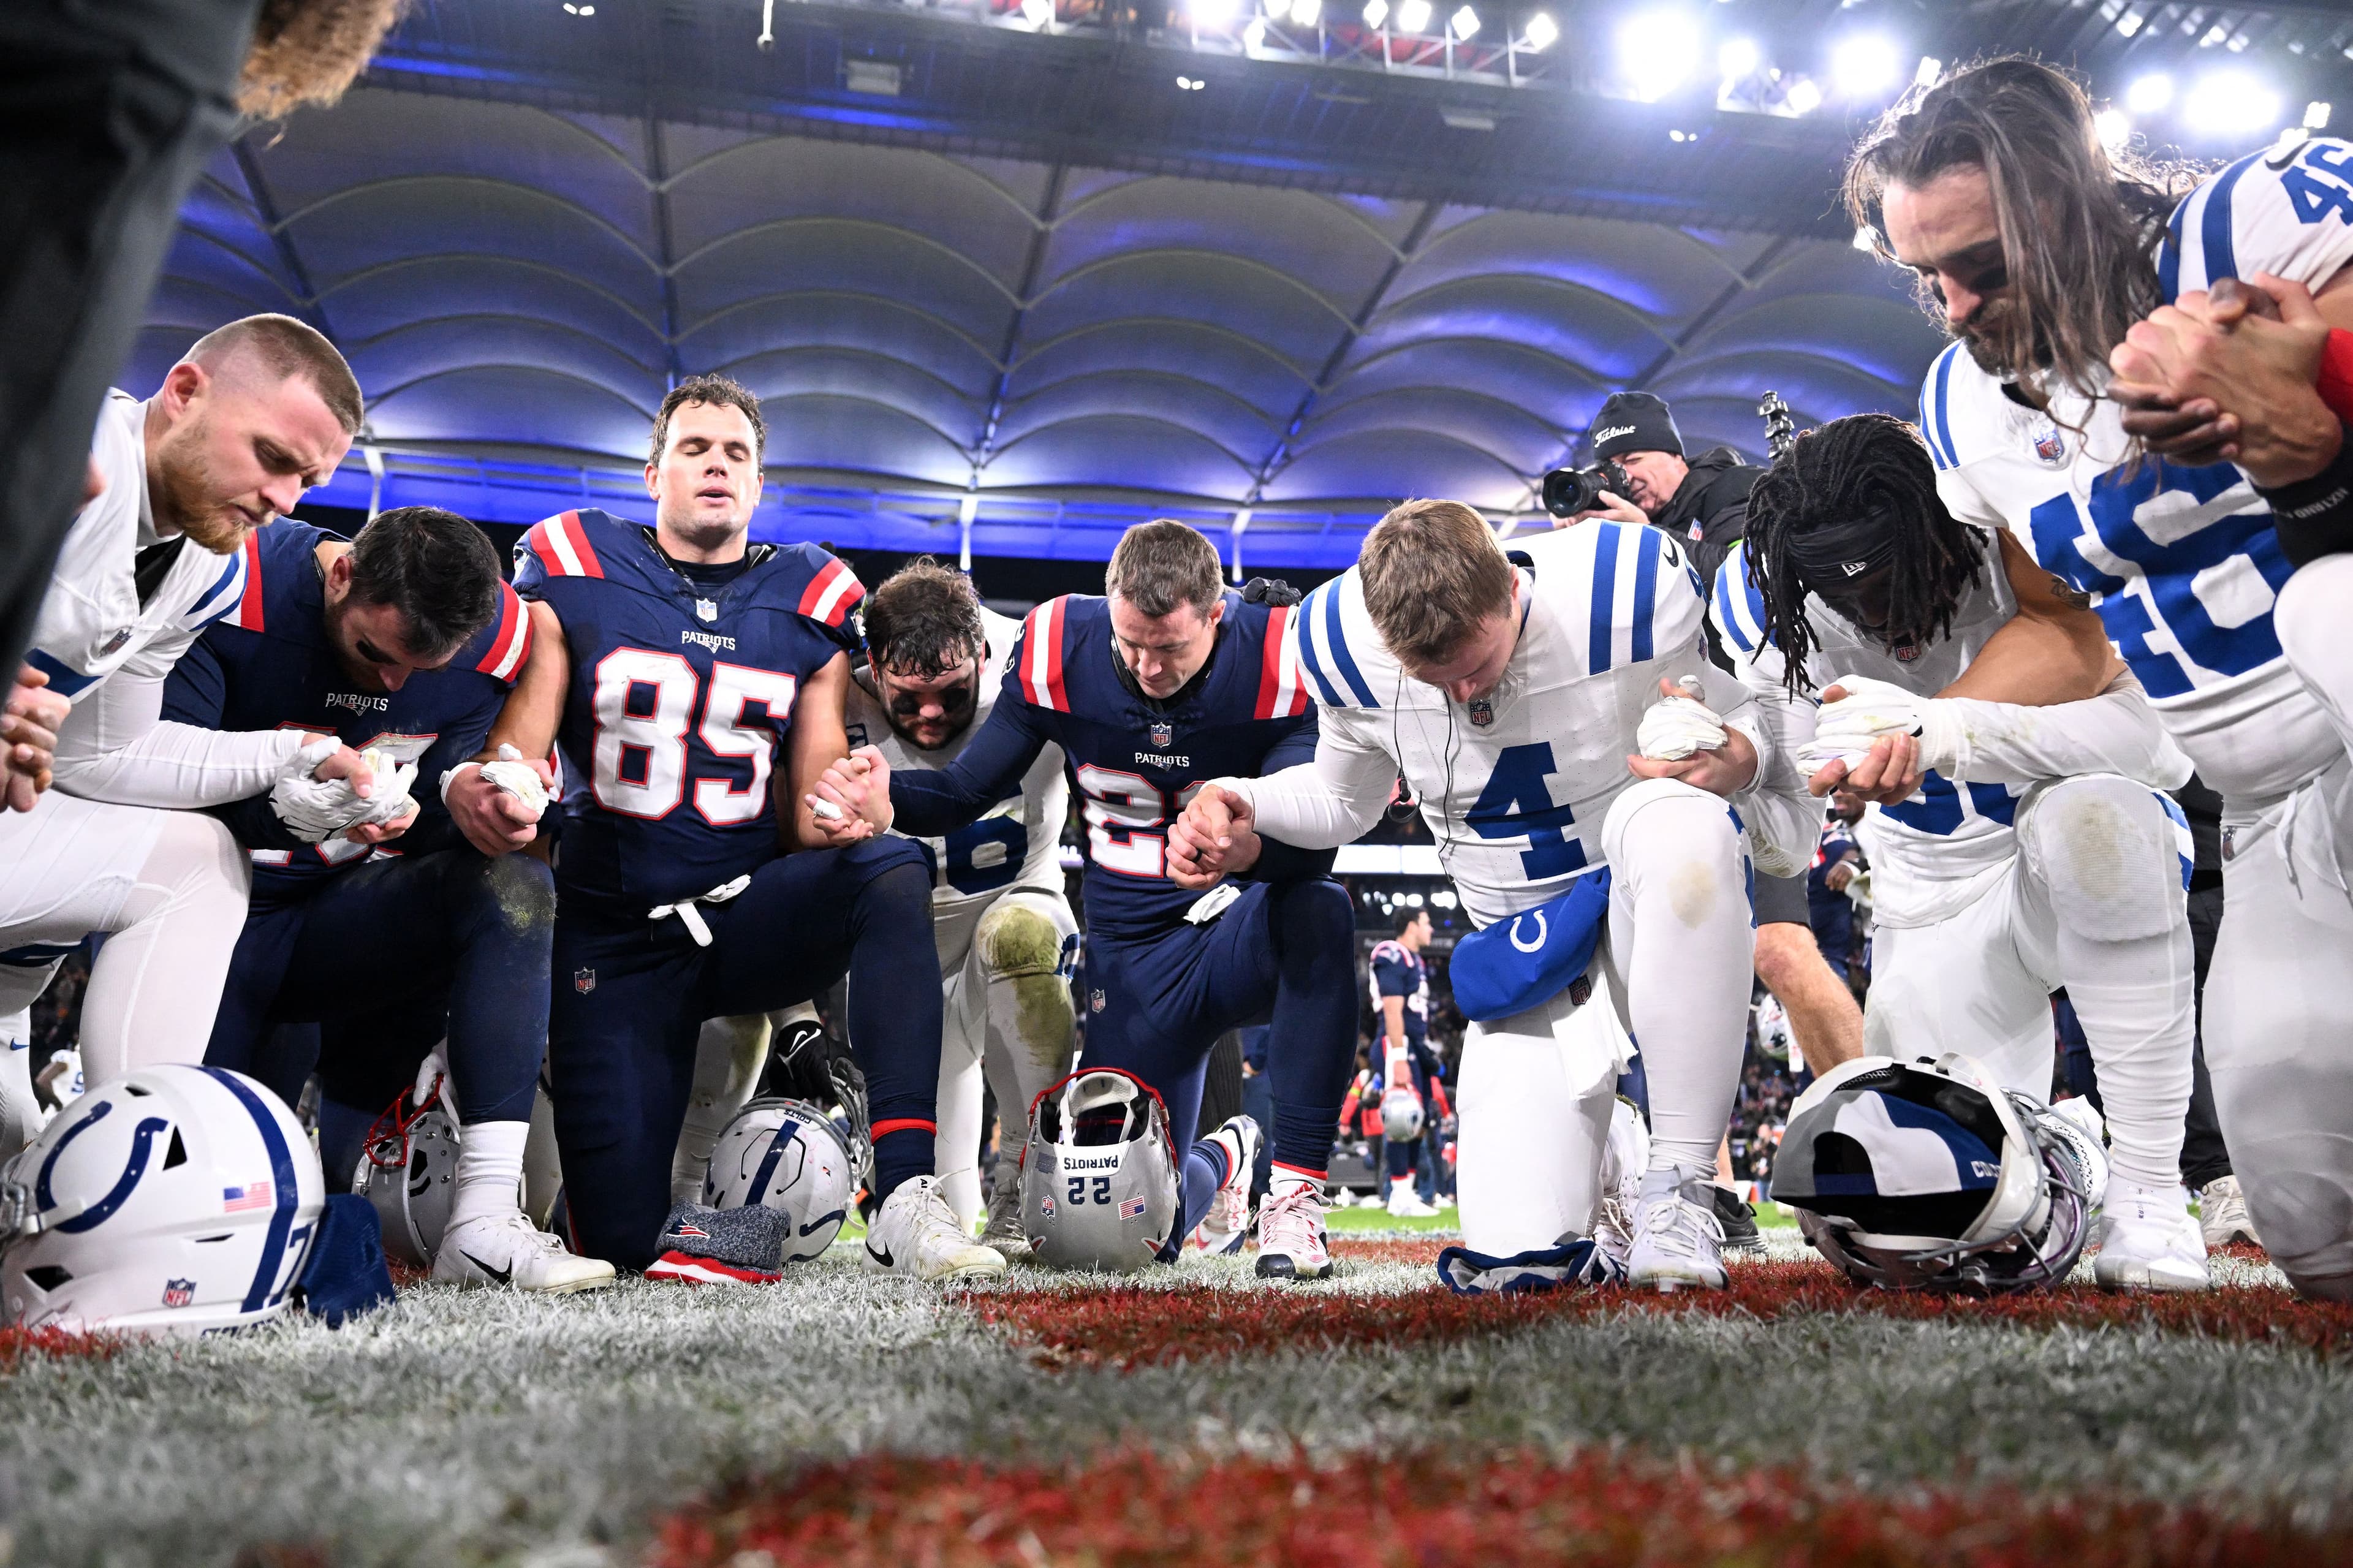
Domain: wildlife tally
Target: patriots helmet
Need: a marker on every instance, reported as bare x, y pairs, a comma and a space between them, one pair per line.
787, 1156
1099, 1182
408, 1172
1402, 1115
179, 1200
1927, 1174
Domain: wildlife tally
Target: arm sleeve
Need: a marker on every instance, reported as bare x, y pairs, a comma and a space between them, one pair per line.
2116, 732
931, 804
1783, 821
118, 747
1333, 799
1280, 860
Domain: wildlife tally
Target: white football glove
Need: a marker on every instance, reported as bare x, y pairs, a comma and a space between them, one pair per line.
1675, 727
1844, 730
313, 809
510, 774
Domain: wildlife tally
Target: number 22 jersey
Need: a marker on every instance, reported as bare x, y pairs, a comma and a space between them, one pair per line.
2182, 560
681, 700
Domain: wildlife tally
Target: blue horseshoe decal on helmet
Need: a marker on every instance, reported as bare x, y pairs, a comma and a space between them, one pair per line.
142, 1145
836, 1217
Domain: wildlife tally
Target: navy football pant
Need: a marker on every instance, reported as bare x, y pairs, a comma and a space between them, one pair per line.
1287, 948
378, 954
631, 994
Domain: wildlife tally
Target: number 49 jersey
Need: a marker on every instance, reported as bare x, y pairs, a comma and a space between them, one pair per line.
2182, 560
681, 700
1017, 843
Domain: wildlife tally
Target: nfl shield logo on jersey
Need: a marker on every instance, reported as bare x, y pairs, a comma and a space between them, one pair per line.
584, 981
1095, 1001
1163, 736
179, 1292
2050, 447
1482, 712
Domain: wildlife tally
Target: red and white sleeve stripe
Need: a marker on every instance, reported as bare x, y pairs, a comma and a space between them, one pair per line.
511, 645
831, 592
561, 543
247, 612
1281, 694
1041, 656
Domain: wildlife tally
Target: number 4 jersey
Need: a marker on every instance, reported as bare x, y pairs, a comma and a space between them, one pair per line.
2182, 560
681, 699
1016, 843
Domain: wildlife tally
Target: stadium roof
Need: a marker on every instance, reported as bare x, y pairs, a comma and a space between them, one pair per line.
1017, 272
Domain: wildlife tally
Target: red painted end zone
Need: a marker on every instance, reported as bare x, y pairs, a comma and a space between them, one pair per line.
1133, 1510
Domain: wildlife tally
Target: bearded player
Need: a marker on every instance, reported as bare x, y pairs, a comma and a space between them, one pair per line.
1166, 680
694, 677
1509, 692
253, 414
2040, 250
2016, 850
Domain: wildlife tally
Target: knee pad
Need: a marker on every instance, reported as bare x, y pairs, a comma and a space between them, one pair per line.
1015, 940
2103, 848
1698, 816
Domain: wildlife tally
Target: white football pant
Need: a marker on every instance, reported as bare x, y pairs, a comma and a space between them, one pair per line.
1007, 1020
170, 887
2091, 902
1536, 1091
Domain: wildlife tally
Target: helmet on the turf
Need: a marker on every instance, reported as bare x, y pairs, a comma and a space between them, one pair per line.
785, 1155
408, 1174
1402, 1115
1099, 1182
1928, 1175
178, 1200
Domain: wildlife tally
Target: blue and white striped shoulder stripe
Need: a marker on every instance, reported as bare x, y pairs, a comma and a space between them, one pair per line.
1937, 410
2201, 244
1739, 603
1624, 604
2185, 842
1323, 651
225, 595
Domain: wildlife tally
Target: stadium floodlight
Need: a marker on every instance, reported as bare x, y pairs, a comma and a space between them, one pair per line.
1803, 98
1543, 31
1278, 10
1254, 36
2113, 128
1464, 24
1655, 51
2230, 102
2316, 116
1215, 14
1376, 12
2129, 23
2149, 94
1413, 900
1306, 13
1038, 12
1863, 66
1413, 15
1929, 72
1738, 59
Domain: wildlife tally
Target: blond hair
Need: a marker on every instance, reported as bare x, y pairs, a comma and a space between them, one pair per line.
1433, 573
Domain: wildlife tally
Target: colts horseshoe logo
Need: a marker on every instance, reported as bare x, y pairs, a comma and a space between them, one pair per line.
1541, 933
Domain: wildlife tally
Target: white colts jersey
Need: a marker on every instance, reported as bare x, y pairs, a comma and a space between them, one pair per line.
2182, 562
1514, 785
1017, 844
91, 621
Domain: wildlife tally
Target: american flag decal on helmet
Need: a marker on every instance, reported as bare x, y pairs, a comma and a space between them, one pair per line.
1131, 1208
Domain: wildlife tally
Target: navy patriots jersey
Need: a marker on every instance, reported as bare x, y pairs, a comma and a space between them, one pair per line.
681, 699
267, 665
1133, 762
1398, 971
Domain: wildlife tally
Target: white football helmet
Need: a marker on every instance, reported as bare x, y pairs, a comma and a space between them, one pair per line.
1402, 1115
1927, 1175
178, 1200
787, 1156
1100, 1187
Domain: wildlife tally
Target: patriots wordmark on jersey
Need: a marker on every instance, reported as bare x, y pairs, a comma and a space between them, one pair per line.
1016, 843
681, 699
1134, 762
2182, 562
269, 664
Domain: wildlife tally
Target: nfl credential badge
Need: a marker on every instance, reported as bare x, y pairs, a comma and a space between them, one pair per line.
584, 981
1163, 736
1482, 712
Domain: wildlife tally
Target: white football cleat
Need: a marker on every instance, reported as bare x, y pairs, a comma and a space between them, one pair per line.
506, 1248
1291, 1242
2222, 1216
1613, 1233
1678, 1240
1003, 1234
1405, 1204
2148, 1242
1227, 1225
915, 1234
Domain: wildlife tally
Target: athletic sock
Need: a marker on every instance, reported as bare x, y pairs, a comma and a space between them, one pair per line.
490, 1170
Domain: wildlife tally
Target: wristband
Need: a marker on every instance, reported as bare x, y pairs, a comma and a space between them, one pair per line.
451, 777
2313, 517
2336, 382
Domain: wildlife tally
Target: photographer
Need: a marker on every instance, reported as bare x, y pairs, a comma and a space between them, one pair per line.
1704, 501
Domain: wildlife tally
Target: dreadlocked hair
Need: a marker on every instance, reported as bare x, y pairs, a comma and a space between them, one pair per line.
1862, 466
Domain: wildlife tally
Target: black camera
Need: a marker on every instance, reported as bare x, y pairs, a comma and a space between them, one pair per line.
1568, 491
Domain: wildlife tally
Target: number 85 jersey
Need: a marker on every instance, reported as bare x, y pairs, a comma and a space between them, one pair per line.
680, 702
